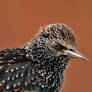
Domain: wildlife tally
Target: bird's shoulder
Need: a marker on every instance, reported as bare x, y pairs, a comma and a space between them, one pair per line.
14, 55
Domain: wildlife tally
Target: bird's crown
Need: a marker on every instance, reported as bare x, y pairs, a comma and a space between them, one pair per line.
60, 33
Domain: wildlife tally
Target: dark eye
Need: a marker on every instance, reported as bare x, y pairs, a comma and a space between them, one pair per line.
58, 46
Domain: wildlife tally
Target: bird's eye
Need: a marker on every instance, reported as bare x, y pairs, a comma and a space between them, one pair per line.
58, 46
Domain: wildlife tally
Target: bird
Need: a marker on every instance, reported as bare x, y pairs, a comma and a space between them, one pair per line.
39, 65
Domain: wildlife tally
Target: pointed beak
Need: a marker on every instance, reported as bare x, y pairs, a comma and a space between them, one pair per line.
75, 54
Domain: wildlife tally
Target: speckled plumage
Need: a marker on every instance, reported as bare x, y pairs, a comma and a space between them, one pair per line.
39, 65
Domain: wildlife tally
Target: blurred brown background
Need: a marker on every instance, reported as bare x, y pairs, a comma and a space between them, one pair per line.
21, 19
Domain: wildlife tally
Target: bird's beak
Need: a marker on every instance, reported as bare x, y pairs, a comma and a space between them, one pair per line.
75, 54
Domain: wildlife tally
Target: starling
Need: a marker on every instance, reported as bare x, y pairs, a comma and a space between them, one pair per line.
39, 65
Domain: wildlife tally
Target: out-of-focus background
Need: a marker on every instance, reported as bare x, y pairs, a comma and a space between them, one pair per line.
21, 19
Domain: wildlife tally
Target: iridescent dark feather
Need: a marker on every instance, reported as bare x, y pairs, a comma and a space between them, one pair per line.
39, 65
17, 70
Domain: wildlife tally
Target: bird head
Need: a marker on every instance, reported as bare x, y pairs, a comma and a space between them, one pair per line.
61, 40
